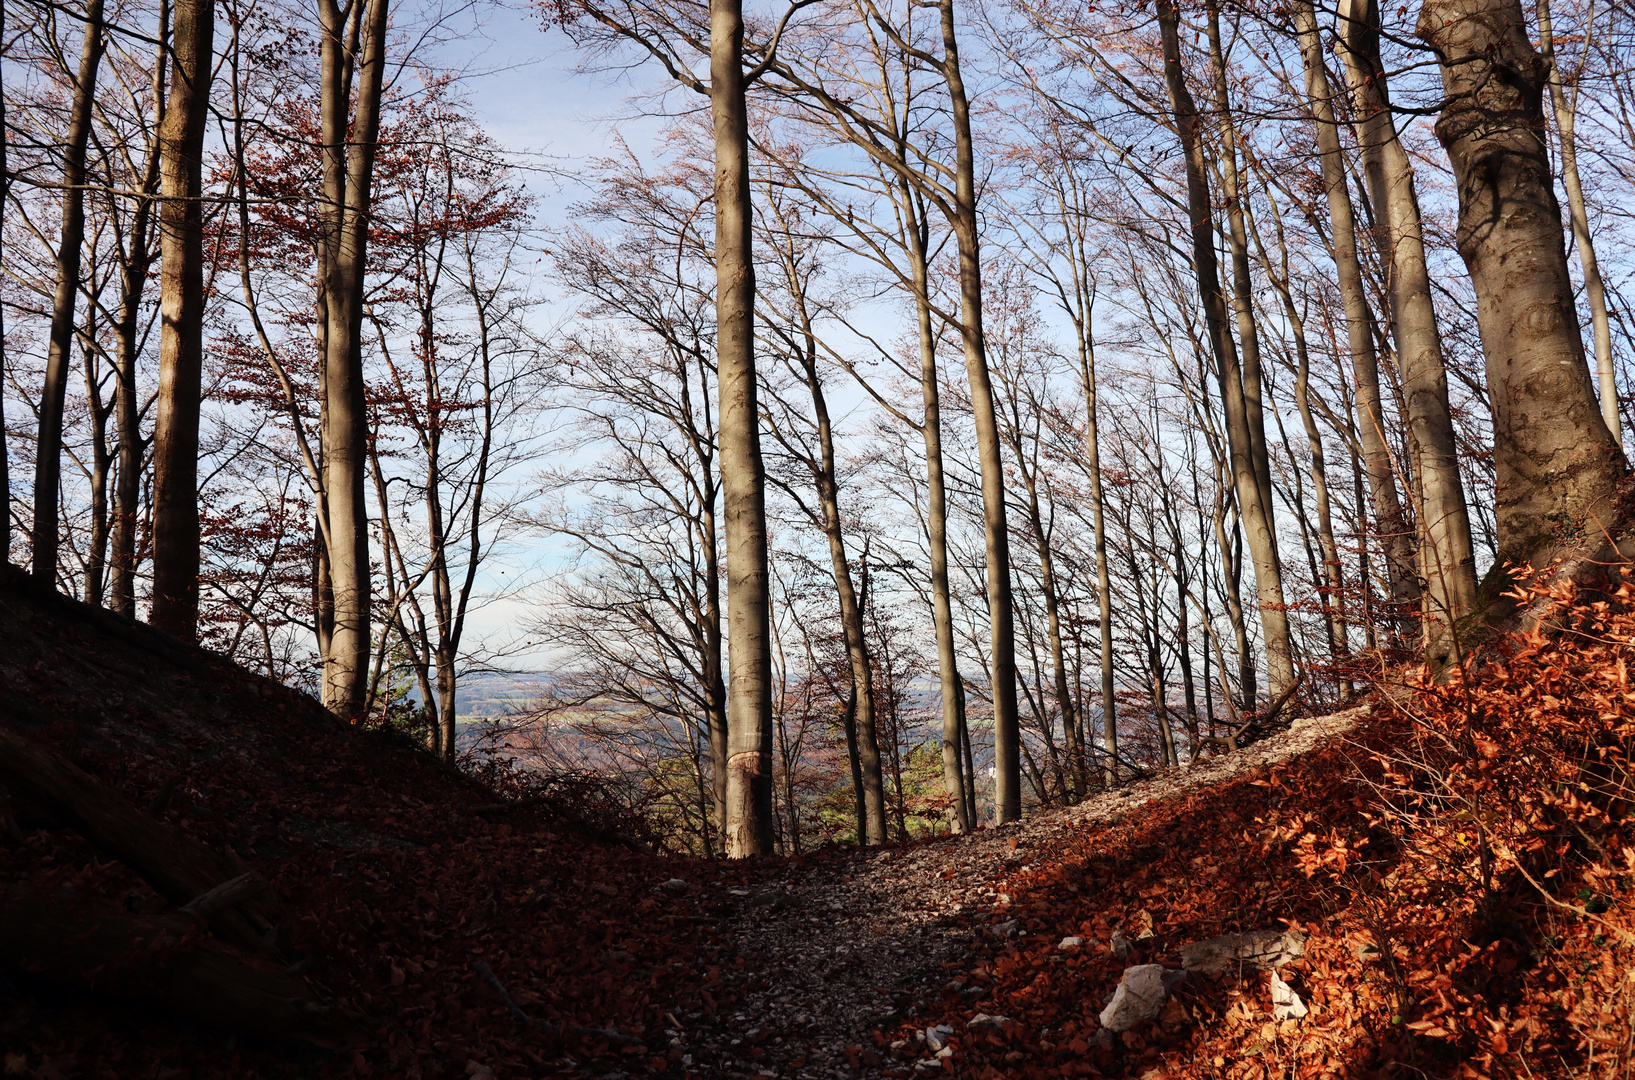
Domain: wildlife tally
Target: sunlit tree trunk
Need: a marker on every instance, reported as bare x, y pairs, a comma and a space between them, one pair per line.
743, 477
996, 534
1556, 461
355, 35
954, 779
1447, 558
1254, 510
59, 351
181, 334
1098, 524
1595, 291
1394, 533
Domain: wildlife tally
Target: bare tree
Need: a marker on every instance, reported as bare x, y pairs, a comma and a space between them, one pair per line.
1447, 559
1252, 498
352, 43
181, 303
1595, 291
1372, 431
48, 454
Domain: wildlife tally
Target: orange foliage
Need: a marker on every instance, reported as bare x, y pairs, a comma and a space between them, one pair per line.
1463, 868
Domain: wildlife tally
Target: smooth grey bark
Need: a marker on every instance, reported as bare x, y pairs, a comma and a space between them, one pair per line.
181, 333
749, 823
1556, 462
352, 40
1595, 291
954, 736
862, 712
135, 263
1098, 523
886, 144
1447, 557
1391, 525
59, 351
996, 533
1330, 581
1253, 509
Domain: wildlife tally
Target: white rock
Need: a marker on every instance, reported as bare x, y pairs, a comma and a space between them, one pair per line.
1286, 1004
1140, 996
984, 1022
1071, 944
1261, 950
946, 1052
937, 1037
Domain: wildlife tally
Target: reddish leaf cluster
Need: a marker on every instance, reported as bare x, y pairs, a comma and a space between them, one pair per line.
1463, 870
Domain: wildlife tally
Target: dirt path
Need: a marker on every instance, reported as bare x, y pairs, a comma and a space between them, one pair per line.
837, 948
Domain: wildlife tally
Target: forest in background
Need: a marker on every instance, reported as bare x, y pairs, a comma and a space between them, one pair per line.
960, 407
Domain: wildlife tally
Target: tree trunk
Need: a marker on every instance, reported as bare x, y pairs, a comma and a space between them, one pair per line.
743, 477
96, 550
1594, 290
181, 312
954, 779
1074, 776
1329, 581
133, 278
59, 353
1389, 521
996, 534
851, 611
1556, 461
1446, 556
1098, 522
348, 169
1254, 510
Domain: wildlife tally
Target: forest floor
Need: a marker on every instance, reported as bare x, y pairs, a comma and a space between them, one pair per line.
1451, 855
851, 943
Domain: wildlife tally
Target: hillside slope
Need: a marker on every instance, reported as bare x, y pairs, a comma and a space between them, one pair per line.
400, 875
1457, 859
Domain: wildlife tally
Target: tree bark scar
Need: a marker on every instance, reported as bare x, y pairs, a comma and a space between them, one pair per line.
747, 762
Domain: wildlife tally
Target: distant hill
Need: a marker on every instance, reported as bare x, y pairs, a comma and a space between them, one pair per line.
489, 695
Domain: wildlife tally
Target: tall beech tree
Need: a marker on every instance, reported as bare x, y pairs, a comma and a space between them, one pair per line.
1565, 105
1447, 558
795, 332
1255, 510
951, 186
1372, 426
59, 358
181, 334
352, 45
1557, 463
665, 32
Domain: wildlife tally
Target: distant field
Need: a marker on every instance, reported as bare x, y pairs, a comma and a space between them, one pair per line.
485, 697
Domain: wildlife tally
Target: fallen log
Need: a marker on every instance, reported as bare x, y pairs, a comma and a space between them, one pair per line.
226, 895
160, 962
178, 867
